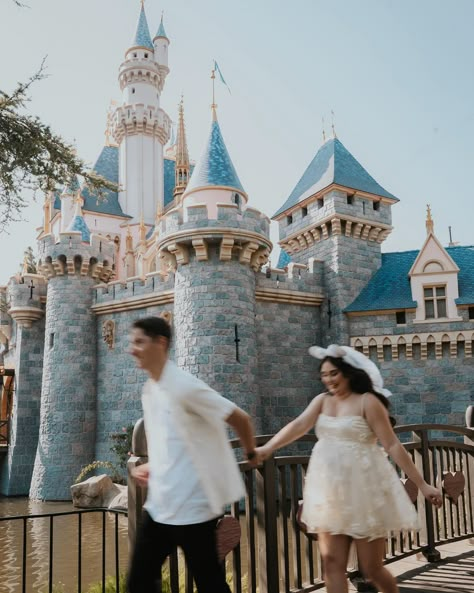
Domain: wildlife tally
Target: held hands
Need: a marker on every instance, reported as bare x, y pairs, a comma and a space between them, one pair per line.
432, 494
141, 474
262, 453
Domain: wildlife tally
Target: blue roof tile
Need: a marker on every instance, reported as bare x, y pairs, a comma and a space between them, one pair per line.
283, 260
215, 167
78, 224
161, 30
142, 35
333, 163
389, 287
107, 165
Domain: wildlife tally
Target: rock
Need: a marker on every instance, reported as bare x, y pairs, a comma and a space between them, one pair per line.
120, 498
97, 491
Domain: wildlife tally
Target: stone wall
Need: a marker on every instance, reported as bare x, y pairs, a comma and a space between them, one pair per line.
26, 356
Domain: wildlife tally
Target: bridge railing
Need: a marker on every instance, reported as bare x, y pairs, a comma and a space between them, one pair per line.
275, 555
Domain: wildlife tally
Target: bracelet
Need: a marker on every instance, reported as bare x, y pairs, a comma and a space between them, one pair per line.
251, 455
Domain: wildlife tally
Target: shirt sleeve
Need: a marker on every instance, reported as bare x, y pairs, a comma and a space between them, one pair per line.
204, 401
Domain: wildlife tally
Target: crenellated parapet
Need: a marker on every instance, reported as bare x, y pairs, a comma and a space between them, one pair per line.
130, 120
299, 284
26, 296
135, 293
71, 256
190, 232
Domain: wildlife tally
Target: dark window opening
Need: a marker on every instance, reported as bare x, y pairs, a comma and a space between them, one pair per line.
289, 219
321, 203
350, 199
363, 206
134, 55
51, 340
133, 91
146, 55
471, 312
376, 205
401, 317
304, 211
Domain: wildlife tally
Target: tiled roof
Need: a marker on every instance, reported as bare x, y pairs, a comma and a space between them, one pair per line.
215, 167
333, 163
142, 35
389, 287
72, 187
106, 165
283, 260
78, 224
161, 30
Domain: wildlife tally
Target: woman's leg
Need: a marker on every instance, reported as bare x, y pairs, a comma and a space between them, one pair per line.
334, 551
370, 556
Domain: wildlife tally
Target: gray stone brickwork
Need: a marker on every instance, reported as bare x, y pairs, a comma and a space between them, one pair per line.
26, 357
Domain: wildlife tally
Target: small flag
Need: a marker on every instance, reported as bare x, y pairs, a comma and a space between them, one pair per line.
218, 70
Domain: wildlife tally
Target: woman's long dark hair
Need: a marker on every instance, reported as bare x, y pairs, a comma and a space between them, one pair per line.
359, 381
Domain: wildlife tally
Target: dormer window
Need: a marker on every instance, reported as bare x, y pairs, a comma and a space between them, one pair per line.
289, 219
350, 199
401, 317
435, 302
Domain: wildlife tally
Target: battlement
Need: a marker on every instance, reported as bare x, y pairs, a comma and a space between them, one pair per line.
71, 256
230, 216
137, 292
141, 119
25, 297
299, 284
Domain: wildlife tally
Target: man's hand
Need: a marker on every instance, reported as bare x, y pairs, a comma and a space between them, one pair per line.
141, 474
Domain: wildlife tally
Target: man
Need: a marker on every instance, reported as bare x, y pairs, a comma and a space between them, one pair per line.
191, 473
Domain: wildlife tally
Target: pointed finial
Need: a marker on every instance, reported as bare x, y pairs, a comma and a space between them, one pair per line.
129, 239
142, 2
214, 105
334, 135
324, 131
429, 220
142, 228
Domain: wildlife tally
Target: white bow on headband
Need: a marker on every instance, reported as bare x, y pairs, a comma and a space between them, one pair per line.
355, 359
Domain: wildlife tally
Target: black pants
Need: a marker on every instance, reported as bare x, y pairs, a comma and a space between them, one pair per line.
155, 542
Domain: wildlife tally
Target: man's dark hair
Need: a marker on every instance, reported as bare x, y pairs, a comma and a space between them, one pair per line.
153, 327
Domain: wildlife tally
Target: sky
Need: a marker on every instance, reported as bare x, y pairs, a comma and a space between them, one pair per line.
396, 73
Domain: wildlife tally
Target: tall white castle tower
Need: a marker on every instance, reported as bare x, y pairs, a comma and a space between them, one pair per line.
140, 127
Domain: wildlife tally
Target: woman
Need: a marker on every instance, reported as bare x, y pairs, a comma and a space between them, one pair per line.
351, 490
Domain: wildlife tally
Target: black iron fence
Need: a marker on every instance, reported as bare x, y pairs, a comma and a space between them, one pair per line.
275, 556
107, 550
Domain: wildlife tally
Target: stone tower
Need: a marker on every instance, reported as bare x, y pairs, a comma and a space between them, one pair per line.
216, 244
339, 214
68, 392
140, 127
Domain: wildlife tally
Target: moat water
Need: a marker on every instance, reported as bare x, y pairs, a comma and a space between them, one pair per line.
65, 547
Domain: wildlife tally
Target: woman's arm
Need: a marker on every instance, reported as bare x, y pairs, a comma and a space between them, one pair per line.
294, 430
378, 420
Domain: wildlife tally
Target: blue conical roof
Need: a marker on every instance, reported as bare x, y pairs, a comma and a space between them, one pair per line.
142, 36
78, 224
215, 167
333, 163
161, 30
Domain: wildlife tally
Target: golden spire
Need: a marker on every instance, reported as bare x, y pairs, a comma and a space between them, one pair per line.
129, 239
48, 200
214, 104
334, 135
182, 156
142, 231
429, 221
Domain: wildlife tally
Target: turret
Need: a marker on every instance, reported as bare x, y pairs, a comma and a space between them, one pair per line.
68, 392
161, 44
140, 127
68, 197
216, 246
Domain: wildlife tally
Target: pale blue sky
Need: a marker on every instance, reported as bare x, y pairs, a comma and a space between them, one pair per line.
397, 73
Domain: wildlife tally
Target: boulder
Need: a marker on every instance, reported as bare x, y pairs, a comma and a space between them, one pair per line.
99, 491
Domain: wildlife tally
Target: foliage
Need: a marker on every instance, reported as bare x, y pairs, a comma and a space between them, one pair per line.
122, 445
110, 585
29, 262
33, 157
87, 469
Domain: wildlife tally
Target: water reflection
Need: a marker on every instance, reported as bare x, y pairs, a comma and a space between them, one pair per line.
65, 552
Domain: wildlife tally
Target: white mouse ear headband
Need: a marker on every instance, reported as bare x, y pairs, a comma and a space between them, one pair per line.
355, 359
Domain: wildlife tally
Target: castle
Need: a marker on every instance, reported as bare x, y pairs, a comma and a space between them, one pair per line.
185, 243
